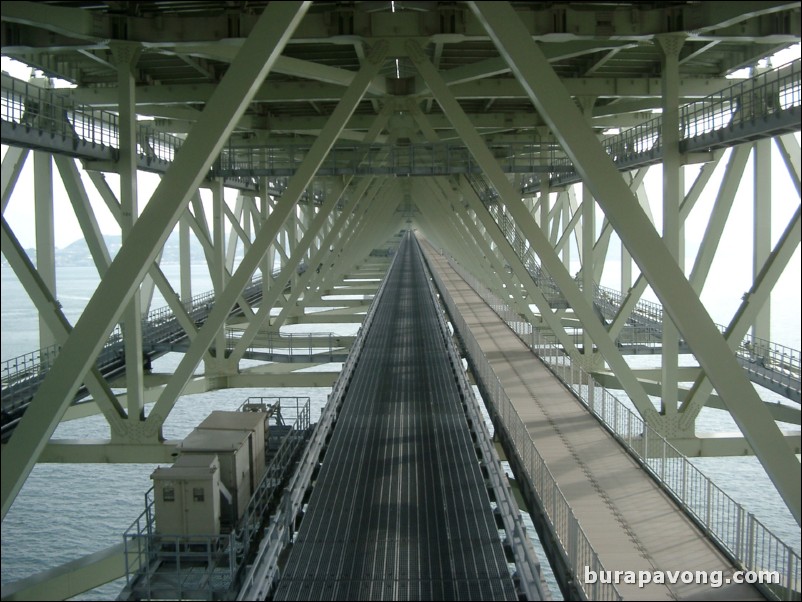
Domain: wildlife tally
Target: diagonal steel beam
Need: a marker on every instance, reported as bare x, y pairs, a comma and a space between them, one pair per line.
719, 215
503, 247
537, 239
548, 316
789, 149
549, 96
228, 103
51, 313
13, 162
155, 272
287, 271
250, 262
745, 316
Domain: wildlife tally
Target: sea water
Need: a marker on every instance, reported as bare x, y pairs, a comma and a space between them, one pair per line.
65, 511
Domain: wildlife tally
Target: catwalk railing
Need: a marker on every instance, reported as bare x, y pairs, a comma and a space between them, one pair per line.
575, 547
22, 375
306, 346
767, 363
737, 532
760, 106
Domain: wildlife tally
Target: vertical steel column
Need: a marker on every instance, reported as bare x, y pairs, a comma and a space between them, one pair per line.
185, 261
762, 229
217, 269
227, 104
554, 104
588, 238
126, 56
673, 192
289, 199
270, 254
566, 226
545, 185
45, 234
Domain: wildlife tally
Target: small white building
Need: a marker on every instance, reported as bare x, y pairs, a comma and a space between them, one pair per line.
187, 496
234, 450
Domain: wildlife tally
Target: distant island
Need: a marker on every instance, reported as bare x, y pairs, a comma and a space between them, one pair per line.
77, 253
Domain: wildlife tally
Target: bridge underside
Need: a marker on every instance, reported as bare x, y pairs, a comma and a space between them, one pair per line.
591, 166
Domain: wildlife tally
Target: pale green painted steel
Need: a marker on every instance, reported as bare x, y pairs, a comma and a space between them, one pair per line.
272, 31
673, 192
505, 286
547, 315
532, 232
305, 246
550, 98
126, 56
286, 204
718, 217
236, 219
789, 150
71, 178
341, 260
360, 238
758, 295
569, 229
218, 270
185, 260
635, 291
761, 227
45, 234
50, 312
305, 282
603, 243
464, 236
267, 302
13, 162
588, 260
71, 578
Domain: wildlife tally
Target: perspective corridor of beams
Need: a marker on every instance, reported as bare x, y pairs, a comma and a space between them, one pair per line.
338, 124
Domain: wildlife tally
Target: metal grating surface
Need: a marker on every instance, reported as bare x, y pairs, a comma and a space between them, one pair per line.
400, 510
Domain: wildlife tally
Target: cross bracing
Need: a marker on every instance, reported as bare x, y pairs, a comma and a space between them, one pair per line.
361, 119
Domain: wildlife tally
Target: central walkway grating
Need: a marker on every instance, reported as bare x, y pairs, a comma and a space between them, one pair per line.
400, 509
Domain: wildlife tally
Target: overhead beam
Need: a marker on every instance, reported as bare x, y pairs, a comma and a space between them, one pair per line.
250, 262
648, 250
148, 235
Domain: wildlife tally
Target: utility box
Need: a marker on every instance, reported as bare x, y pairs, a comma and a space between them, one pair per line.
242, 421
234, 450
187, 496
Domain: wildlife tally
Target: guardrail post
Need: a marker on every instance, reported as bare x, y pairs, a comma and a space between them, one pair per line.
749, 557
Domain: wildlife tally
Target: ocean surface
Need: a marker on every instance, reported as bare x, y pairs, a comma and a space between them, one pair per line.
65, 511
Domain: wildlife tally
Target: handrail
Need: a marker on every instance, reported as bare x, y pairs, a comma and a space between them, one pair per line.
575, 547
304, 344
742, 536
759, 97
767, 362
263, 571
22, 375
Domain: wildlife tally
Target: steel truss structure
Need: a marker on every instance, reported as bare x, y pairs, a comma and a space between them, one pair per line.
515, 136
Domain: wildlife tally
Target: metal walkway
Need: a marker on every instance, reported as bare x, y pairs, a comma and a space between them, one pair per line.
400, 508
626, 516
766, 363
